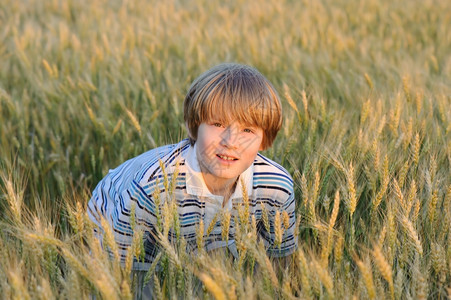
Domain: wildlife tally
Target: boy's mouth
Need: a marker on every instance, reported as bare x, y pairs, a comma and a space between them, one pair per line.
225, 157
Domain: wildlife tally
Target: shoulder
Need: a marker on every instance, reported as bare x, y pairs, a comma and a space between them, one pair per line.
262, 163
143, 166
271, 180
153, 161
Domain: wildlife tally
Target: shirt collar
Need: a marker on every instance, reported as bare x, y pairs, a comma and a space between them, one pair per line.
195, 184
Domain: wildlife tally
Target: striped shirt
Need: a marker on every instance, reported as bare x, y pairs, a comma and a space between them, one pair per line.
141, 180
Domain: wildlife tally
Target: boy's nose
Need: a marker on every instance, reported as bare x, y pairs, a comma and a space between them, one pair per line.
230, 137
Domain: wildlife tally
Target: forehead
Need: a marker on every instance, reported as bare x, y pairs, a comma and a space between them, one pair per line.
227, 116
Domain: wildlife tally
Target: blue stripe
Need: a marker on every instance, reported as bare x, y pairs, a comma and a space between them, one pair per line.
271, 182
274, 174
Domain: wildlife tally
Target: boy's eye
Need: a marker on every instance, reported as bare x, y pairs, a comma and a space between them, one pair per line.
216, 124
247, 130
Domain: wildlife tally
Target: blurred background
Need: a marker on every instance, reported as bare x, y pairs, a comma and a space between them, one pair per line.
366, 91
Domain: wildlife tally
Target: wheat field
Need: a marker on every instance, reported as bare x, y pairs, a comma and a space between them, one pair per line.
366, 91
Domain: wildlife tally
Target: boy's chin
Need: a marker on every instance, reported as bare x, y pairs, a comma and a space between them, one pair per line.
228, 174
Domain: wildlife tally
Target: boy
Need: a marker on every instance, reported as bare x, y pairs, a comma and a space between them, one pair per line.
231, 112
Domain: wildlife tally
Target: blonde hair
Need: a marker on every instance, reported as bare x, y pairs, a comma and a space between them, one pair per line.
229, 92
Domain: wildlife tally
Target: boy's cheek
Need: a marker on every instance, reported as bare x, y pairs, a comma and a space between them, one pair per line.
246, 142
209, 150
254, 139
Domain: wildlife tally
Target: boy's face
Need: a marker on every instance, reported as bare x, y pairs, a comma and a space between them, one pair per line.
224, 151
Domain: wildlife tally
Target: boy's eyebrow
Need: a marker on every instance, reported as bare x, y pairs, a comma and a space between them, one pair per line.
248, 125
224, 122
253, 126
211, 121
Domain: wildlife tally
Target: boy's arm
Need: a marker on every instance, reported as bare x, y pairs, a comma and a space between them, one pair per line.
116, 209
109, 210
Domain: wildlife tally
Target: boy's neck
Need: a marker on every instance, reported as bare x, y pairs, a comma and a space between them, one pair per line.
223, 188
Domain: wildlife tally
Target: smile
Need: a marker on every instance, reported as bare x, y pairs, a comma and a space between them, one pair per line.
224, 157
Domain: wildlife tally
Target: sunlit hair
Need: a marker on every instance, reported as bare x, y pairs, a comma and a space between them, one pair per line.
233, 92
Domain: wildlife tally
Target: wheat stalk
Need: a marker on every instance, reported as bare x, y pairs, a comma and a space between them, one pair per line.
418, 101
367, 275
286, 219
432, 207
327, 247
125, 291
225, 225
200, 235
376, 155
447, 202
117, 127
338, 249
91, 115
269, 268
75, 263
382, 235
324, 277
365, 111
169, 249
157, 289
315, 189
412, 233
411, 198
305, 103
408, 132
403, 173
212, 224
289, 99
278, 230
108, 239
156, 196
265, 217
149, 94
304, 190
433, 167
48, 68
212, 287
14, 198
305, 283
383, 188
439, 265
382, 123
399, 195
384, 268
352, 201
244, 211
16, 282
134, 120
416, 209
333, 216
416, 149
167, 218
369, 81
420, 282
